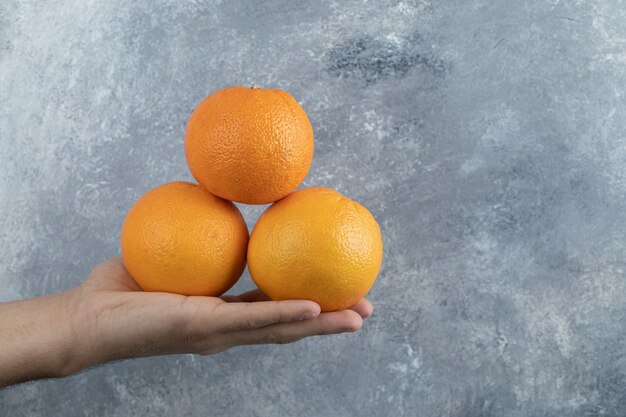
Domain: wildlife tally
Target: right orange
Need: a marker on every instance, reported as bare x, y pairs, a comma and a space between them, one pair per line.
318, 245
248, 144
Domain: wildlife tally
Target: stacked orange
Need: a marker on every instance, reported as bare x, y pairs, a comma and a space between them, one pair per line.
252, 146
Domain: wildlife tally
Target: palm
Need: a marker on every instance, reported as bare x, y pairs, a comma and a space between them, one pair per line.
141, 323
112, 277
111, 283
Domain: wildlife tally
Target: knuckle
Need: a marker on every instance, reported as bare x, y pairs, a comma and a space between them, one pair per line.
278, 314
189, 338
249, 320
273, 338
244, 323
234, 320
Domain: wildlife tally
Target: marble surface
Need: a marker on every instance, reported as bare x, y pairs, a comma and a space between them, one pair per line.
487, 137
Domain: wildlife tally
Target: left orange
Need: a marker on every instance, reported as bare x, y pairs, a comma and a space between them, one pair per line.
181, 239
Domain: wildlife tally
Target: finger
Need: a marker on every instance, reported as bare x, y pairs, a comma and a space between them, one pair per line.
364, 308
326, 323
246, 316
250, 296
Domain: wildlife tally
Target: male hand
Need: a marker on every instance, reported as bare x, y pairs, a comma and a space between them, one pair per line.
108, 317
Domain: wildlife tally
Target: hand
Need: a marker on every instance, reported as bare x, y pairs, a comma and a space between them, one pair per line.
108, 317
122, 321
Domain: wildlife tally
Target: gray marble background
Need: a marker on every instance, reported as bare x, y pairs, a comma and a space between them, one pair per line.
487, 137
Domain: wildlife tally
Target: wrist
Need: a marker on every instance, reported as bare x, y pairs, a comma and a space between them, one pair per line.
37, 339
70, 338
54, 344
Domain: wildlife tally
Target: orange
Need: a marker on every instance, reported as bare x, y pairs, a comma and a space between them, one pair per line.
318, 245
181, 239
249, 145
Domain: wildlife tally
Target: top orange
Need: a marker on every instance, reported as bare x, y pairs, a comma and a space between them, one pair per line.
249, 145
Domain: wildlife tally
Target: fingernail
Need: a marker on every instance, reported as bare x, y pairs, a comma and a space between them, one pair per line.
307, 316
